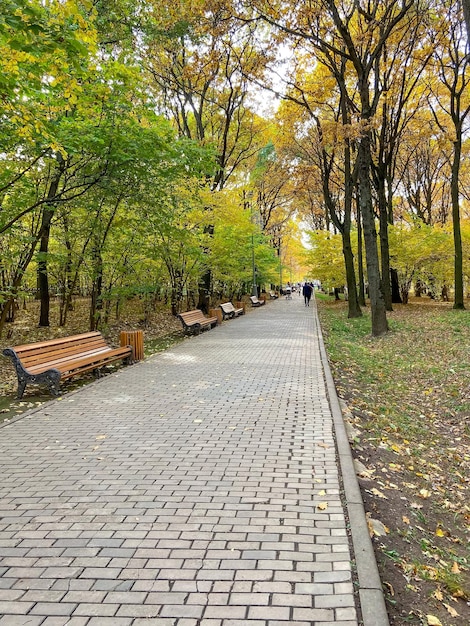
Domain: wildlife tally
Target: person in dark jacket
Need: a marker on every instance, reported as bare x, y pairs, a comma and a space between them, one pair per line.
307, 290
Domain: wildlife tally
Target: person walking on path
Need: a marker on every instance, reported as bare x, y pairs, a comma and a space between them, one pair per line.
307, 293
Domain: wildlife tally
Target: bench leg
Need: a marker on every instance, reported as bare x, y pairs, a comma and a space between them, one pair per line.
21, 388
53, 383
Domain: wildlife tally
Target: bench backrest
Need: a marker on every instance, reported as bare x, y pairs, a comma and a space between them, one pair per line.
45, 351
227, 307
193, 317
254, 299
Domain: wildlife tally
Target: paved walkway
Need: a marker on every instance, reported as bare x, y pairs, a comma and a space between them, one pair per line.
198, 488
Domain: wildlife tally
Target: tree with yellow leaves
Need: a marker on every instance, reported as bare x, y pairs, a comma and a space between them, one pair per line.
450, 103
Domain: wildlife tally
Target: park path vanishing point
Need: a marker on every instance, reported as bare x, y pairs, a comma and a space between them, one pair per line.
201, 487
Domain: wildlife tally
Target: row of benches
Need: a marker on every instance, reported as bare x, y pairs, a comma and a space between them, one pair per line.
195, 321
49, 362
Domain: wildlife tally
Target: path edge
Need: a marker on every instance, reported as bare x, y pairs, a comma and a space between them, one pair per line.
371, 597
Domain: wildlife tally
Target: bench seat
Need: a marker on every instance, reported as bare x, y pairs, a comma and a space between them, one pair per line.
229, 311
195, 321
49, 362
255, 302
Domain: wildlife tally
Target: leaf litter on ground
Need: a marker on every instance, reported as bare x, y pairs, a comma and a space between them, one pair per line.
406, 398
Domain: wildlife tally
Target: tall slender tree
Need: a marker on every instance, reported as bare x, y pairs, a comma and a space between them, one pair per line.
451, 106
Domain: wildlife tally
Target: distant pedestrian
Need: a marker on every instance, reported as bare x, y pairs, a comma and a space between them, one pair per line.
307, 293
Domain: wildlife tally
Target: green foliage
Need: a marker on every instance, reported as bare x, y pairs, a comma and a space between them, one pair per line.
236, 239
325, 260
423, 252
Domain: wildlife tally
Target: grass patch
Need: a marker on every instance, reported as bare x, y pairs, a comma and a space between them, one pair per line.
407, 395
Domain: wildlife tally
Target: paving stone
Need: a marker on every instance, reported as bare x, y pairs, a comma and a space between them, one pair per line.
64, 621
21, 620
15, 608
53, 608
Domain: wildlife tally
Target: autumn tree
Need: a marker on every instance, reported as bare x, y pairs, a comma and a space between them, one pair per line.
323, 142
195, 60
421, 180
451, 106
355, 32
45, 49
399, 72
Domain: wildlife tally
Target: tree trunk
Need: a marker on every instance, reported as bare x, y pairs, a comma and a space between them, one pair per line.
44, 233
377, 303
205, 291
458, 255
65, 304
360, 260
96, 304
354, 309
384, 247
466, 12
43, 277
396, 297
205, 283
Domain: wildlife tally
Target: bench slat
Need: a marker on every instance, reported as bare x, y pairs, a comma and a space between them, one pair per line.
62, 363
30, 359
72, 339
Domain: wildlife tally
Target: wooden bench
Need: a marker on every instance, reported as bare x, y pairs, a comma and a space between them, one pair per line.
256, 302
229, 311
273, 295
195, 321
49, 362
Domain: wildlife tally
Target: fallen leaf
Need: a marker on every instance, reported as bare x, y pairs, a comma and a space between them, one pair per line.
322, 506
376, 527
438, 595
455, 568
390, 588
424, 493
361, 469
433, 621
406, 520
451, 610
378, 493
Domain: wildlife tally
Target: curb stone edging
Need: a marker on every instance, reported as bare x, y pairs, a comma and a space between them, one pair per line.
371, 598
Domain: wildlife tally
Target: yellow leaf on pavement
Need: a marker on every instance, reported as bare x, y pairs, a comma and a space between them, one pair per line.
322, 506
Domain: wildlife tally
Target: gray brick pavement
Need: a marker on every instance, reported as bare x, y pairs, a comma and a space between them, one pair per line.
198, 488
